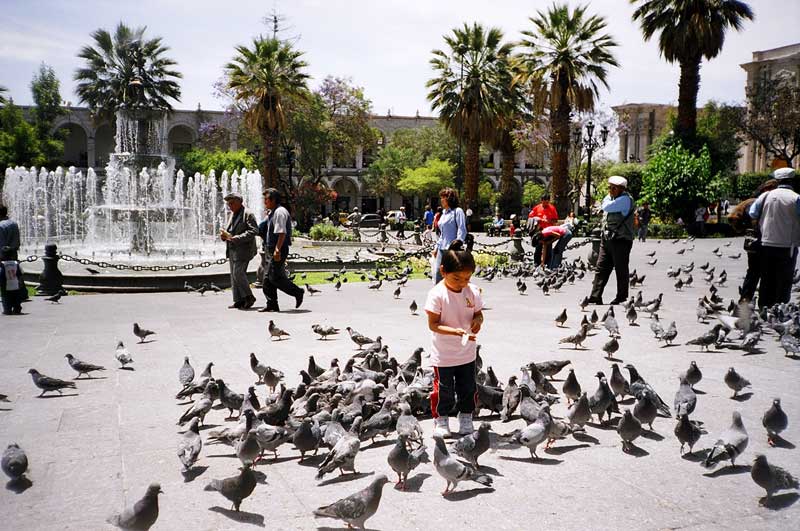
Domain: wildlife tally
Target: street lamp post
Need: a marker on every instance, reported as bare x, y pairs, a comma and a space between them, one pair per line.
590, 143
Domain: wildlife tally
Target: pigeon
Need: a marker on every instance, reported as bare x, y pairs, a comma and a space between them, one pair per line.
357, 508
48, 384
473, 445
413, 307
571, 387
534, 433
324, 331
396, 293
359, 339
669, 335
735, 381
730, 445
579, 412
235, 488
338, 284
143, 514
629, 429
602, 401
562, 318
274, 331
655, 326
4, 398
631, 316
343, 454
376, 285
693, 374
189, 445
577, 339
14, 462
141, 333
685, 398
403, 461
618, 383
645, 410
122, 355
311, 290
774, 421
638, 385
611, 326
307, 438
247, 449
771, 478
408, 426
550, 368
610, 347
453, 470
707, 339
257, 367
688, 432
186, 372
652, 262
202, 405
229, 399
82, 367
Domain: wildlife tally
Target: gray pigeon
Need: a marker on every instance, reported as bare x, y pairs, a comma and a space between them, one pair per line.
274, 331
579, 412
775, 421
48, 384
571, 387
202, 405
186, 372
307, 438
770, 477
247, 449
645, 410
413, 307
403, 462
688, 432
81, 367
14, 462
534, 433
143, 514
730, 445
685, 398
693, 374
511, 399
619, 384
343, 454
324, 331
611, 346
141, 333
408, 426
562, 318
357, 508
453, 470
189, 445
235, 488
473, 445
629, 429
735, 381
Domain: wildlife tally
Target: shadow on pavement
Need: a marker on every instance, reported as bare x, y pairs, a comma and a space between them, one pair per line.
344, 478
414, 484
461, 495
18, 486
729, 471
193, 473
781, 501
780, 442
533, 460
742, 397
243, 517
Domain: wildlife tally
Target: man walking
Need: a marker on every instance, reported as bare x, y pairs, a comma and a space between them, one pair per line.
401, 223
778, 215
276, 231
9, 238
616, 240
240, 240
643, 215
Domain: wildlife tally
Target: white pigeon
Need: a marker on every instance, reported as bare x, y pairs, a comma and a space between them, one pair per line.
122, 355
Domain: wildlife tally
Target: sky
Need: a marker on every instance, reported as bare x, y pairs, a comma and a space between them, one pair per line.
383, 46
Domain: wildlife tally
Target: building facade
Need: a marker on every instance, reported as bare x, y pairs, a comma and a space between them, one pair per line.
639, 125
89, 144
766, 65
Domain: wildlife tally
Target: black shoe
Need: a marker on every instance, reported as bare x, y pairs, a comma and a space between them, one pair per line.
249, 302
595, 300
235, 306
268, 309
298, 300
617, 301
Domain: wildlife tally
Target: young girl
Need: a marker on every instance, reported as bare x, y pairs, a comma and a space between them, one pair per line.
454, 318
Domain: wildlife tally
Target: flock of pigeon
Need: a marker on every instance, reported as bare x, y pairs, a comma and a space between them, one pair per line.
337, 409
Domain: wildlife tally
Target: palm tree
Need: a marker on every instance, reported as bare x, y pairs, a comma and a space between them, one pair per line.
265, 78
126, 70
690, 30
469, 92
567, 55
3, 98
515, 111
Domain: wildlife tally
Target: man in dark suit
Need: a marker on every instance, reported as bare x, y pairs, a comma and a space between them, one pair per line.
240, 239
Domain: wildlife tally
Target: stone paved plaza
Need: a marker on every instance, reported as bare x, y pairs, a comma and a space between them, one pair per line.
94, 451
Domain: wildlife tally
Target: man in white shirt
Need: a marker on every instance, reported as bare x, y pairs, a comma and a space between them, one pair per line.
276, 232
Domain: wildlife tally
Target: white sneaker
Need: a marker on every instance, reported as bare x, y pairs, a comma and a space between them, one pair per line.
441, 427
465, 426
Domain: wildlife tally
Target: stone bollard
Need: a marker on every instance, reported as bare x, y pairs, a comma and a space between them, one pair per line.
51, 281
518, 253
382, 237
417, 235
595, 236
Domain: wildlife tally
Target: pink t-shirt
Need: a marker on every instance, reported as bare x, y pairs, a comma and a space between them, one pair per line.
457, 310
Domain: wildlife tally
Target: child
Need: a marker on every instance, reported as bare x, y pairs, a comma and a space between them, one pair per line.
10, 283
454, 317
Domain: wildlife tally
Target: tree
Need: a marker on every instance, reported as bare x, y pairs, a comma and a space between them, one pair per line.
126, 70
718, 128
309, 127
430, 142
469, 90
19, 141
532, 193
772, 118
566, 54
676, 180
3, 91
427, 180
266, 77
199, 160
388, 168
47, 98
689, 31
349, 112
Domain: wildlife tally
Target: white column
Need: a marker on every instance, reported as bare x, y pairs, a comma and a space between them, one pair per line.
359, 157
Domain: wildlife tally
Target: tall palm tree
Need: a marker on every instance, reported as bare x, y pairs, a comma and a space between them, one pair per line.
514, 112
266, 77
469, 92
690, 30
126, 70
567, 54
3, 98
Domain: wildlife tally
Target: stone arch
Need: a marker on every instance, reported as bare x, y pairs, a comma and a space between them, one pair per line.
348, 193
180, 138
104, 143
76, 144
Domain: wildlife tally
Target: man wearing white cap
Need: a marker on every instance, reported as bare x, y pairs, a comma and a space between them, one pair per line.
616, 240
778, 215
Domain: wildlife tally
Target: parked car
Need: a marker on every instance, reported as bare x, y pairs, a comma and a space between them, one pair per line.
370, 221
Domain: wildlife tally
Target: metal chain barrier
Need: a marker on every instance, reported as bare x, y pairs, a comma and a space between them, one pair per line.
128, 267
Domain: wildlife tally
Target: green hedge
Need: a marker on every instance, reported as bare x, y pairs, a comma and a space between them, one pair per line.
747, 183
667, 231
326, 232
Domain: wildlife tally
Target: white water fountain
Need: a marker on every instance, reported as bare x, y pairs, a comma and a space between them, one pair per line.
141, 208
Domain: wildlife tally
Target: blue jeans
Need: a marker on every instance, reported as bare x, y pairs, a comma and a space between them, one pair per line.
558, 250
436, 274
642, 233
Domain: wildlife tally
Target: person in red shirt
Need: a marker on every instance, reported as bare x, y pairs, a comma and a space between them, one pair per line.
547, 216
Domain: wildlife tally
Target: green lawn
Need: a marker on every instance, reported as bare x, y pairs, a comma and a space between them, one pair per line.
319, 277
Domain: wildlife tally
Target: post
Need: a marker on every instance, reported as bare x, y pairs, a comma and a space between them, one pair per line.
382, 237
595, 236
518, 253
589, 183
51, 281
417, 235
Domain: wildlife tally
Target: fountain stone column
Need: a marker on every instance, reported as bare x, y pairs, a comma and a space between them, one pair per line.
51, 281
